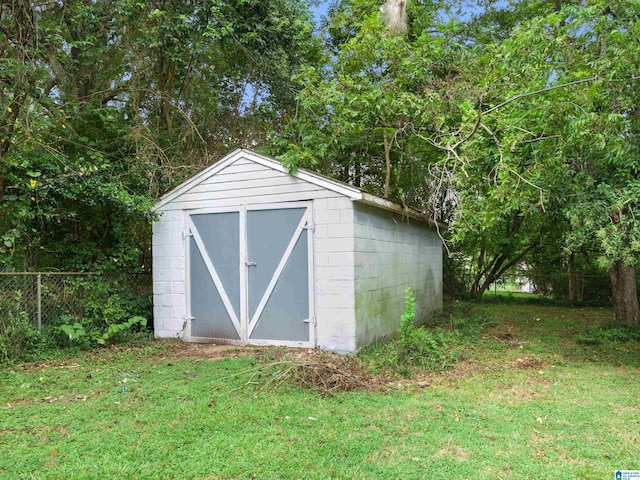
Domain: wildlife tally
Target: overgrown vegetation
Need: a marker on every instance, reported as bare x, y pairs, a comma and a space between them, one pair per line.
435, 347
526, 402
109, 309
17, 334
81, 312
609, 334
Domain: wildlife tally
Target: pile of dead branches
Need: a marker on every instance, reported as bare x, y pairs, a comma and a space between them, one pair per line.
322, 372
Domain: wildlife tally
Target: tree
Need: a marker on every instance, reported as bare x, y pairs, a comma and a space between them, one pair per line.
537, 124
105, 105
594, 50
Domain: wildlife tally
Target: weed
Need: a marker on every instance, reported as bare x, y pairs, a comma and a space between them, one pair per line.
433, 348
89, 334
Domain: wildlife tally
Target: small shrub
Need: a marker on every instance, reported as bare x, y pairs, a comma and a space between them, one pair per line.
107, 310
430, 348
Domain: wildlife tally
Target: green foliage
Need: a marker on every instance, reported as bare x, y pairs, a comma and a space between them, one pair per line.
433, 348
17, 335
106, 309
407, 321
608, 334
94, 335
499, 416
102, 110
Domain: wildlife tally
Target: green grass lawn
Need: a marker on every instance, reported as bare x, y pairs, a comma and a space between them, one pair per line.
527, 402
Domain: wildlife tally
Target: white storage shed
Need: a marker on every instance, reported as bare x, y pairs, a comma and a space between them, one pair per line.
244, 253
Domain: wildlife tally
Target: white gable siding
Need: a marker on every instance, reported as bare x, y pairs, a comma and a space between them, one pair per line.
244, 182
393, 252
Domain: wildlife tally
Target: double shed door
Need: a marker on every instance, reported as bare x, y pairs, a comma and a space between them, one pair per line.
250, 275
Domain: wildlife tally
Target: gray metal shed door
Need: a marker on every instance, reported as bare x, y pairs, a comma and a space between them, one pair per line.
214, 275
278, 283
268, 303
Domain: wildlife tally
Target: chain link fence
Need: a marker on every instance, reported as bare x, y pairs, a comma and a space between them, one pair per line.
46, 297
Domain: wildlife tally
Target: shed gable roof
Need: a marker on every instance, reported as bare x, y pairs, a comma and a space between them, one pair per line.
229, 159
349, 191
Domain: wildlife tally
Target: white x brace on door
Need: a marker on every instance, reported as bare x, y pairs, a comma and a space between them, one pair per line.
250, 275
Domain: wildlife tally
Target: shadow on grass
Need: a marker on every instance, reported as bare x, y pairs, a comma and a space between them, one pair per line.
558, 333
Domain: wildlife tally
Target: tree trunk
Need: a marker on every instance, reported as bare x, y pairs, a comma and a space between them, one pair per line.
625, 295
572, 278
387, 161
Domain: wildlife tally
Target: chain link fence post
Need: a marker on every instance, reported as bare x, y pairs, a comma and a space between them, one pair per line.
39, 296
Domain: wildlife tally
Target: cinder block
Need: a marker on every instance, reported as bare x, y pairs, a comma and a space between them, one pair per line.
176, 262
176, 239
340, 230
322, 231
161, 238
336, 301
327, 316
334, 245
162, 263
178, 315
322, 259
161, 313
178, 288
339, 259
168, 275
160, 288
171, 226
334, 287
328, 217
346, 272
173, 300
339, 203
319, 205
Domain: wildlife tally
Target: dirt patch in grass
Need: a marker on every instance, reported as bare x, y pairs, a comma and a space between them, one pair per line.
209, 351
527, 363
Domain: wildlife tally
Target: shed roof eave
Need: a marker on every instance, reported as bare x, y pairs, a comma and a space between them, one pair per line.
385, 204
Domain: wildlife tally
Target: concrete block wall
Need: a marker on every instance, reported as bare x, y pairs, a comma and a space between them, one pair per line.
391, 253
334, 274
169, 300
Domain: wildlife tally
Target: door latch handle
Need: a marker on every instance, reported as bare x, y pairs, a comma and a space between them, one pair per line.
250, 264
